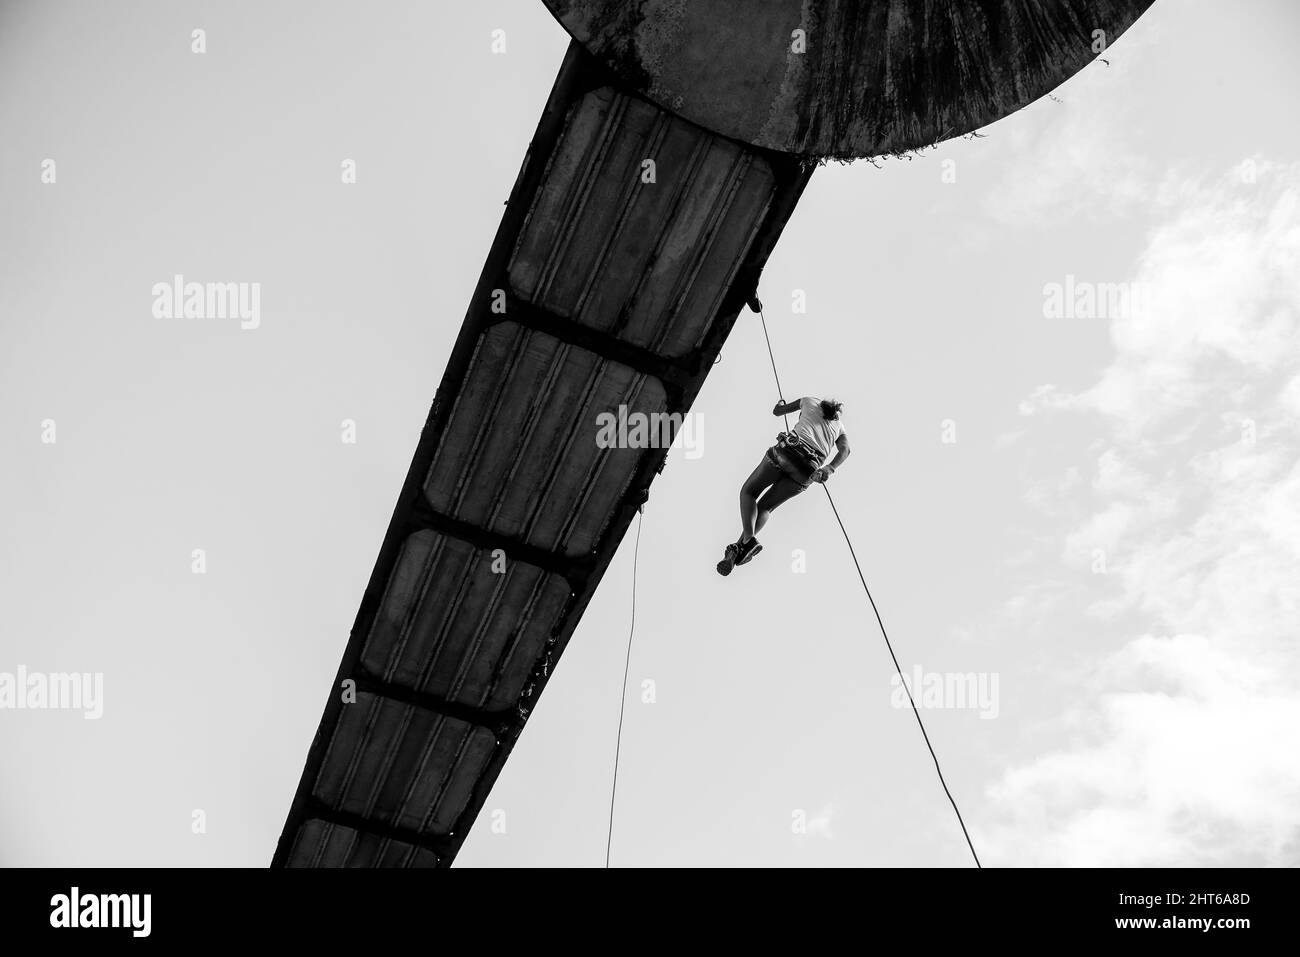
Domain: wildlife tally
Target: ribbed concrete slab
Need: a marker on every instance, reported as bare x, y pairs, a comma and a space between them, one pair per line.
605, 291
648, 262
452, 626
322, 844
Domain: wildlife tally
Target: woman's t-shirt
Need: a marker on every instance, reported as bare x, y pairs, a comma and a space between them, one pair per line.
815, 429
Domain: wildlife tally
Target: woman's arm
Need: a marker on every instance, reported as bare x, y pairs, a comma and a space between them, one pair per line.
785, 408
841, 453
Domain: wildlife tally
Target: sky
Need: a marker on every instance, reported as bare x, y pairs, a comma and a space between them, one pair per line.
1094, 513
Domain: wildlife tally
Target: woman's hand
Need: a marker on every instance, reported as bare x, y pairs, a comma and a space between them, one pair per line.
776, 409
821, 475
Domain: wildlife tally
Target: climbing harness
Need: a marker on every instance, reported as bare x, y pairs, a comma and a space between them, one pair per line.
804, 455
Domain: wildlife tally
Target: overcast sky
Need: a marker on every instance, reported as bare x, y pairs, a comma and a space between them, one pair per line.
1114, 533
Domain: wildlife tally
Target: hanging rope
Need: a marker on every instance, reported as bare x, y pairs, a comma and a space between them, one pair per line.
780, 393
623, 701
862, 577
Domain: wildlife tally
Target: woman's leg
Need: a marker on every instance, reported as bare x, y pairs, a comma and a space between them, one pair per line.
758, 480
782, 490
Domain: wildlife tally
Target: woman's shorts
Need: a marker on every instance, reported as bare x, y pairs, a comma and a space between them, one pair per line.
790, 466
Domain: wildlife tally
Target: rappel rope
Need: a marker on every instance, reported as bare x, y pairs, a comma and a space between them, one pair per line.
885, 634
848, 541
618, 745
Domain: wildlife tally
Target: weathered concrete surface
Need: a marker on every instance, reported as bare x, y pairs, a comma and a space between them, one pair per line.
875, 77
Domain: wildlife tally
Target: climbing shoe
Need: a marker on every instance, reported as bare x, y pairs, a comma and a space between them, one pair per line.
748, 551
728, 559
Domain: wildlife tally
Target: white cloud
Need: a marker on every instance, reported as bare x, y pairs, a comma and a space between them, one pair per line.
1183, 737
1191, 765
1224, 292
